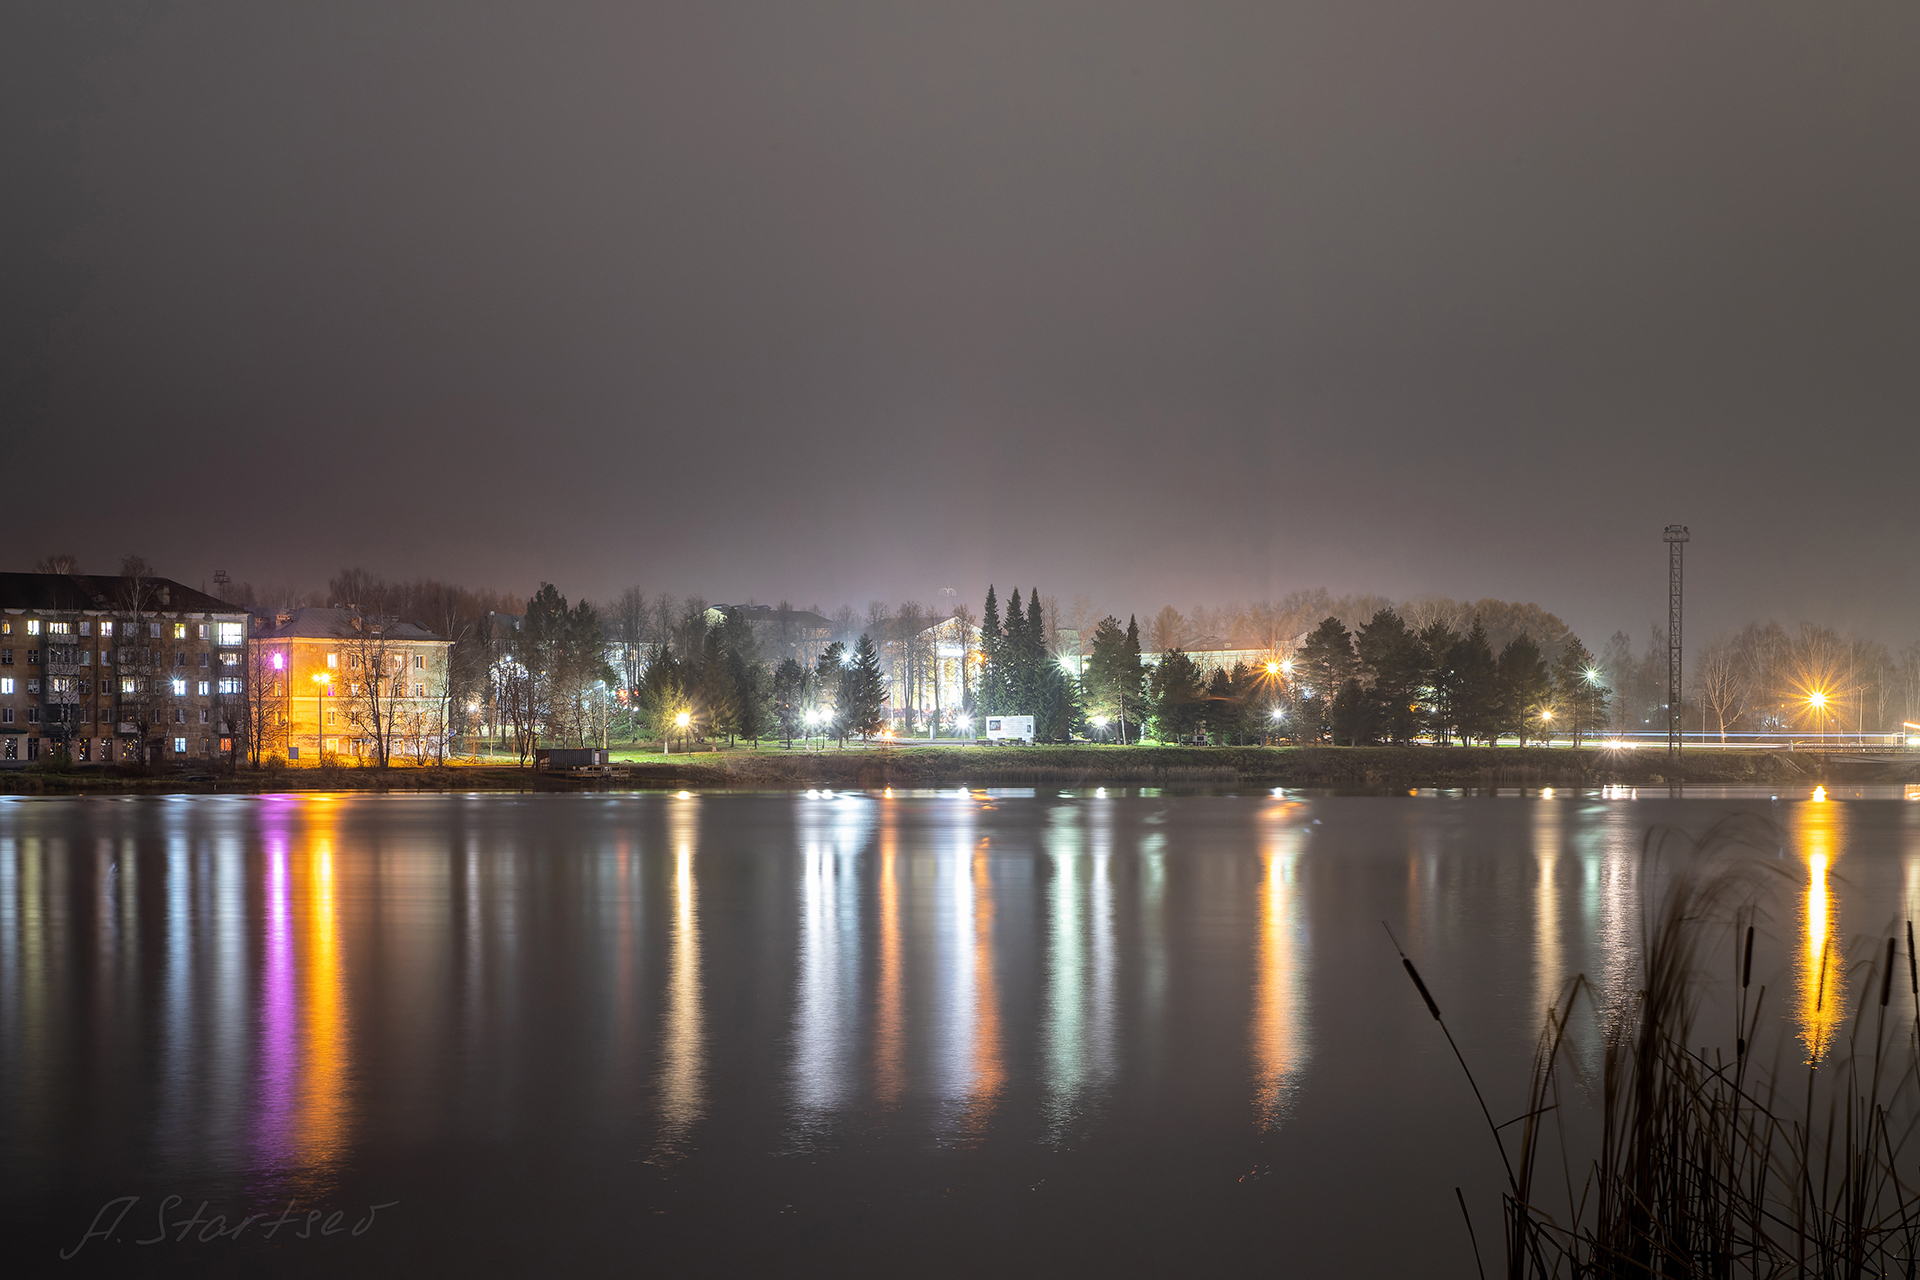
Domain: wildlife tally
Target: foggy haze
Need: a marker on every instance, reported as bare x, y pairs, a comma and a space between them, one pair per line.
830, 302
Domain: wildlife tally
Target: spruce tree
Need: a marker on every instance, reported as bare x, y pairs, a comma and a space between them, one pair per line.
864, 689
986, 698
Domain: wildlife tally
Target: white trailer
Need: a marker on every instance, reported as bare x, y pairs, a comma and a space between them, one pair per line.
1008, 728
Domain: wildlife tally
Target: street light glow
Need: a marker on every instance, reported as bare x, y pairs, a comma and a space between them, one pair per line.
1817, 699
683, 719
1273, 668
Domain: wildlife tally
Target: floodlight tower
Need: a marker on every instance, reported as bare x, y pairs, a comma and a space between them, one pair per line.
1676, 539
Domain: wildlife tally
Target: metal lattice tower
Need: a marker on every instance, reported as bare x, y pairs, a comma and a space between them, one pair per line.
1676, 539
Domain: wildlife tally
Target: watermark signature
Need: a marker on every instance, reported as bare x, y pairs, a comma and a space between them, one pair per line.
306, 1225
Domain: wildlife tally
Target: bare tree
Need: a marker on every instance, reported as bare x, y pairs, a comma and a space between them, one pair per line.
375, 683
1719, 675
261, 717
58, 562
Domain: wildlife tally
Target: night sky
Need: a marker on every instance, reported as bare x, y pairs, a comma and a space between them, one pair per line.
1165, 303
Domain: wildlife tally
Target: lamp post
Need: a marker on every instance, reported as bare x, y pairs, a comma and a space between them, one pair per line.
683, 719
321, 680
1818, 701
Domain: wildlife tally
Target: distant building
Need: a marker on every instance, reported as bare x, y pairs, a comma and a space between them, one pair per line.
926, 670
354, 685
115, 669
1211, 654
799, 634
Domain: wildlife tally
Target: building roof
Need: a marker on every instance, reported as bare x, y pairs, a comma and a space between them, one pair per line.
337, 624
102, 593
767, 615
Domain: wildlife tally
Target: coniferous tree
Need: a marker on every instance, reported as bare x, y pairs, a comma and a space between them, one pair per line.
1013, 677
1326, 661
1579, 690
1476, 685
789, 698
1177, 694
1525, 689
1133, 682
987, 698
1394, 664
1223, 705
829, 685
863, 689
1437, 681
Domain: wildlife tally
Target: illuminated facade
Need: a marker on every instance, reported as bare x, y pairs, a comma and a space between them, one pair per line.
114, 669
353, 686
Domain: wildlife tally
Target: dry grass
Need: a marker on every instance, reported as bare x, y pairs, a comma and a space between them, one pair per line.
1682, 1161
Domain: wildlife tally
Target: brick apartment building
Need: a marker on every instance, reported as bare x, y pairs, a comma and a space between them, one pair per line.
115, 669
352, 686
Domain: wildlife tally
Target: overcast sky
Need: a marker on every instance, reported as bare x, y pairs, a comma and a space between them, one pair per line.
1167, 303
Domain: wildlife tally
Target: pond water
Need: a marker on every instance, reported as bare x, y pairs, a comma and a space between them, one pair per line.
837, 1034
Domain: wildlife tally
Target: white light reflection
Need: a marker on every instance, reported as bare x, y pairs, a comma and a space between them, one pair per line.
827, 999
683, 1070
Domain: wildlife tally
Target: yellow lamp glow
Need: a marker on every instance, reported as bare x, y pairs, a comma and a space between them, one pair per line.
683, 719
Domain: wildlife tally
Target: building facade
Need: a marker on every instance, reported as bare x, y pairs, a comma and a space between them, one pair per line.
116, 669
340, 685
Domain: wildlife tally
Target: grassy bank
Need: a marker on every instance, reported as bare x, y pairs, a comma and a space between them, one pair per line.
1346, 768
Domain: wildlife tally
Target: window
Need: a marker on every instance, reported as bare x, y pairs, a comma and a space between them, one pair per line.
33, 657
203, 631
178, 688
229, 659
33, 715
127, 685
6, 657
86, 628
226, 745
419, 691
86, 686
419, 662
203, 715
33, 626
6, 715
205, 687
179, 715
33, 685
179, 658
106, 657
6, 628
106, 628
232, 686
153, 629
333, 662
179, 746
33, 748
179, 631
229, 634
59, 628
331, 715
279, 661
12, 752
353, 661
204, 655
6, 685
61, 684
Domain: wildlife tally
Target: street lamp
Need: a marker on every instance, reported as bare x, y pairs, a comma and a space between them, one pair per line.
1818, 701
321, 680
683, 720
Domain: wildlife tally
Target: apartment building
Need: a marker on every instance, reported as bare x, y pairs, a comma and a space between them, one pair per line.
116, 669
352, 687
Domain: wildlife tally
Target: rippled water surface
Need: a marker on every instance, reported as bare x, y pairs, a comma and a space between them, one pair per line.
726, 1034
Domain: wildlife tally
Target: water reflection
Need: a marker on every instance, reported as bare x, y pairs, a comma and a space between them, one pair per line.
890, 1015
826, 997
1078, 1015
1822, 977
683, 1068
1279, 997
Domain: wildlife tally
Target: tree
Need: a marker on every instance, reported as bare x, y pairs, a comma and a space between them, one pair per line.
989, 698
1474, 693
375, 683
137, 663
1177, 696
1723, 688
662, 695
789, 698
1112, 682
1524, 690
1395, 666
1579, 690
863, 689
1325, 661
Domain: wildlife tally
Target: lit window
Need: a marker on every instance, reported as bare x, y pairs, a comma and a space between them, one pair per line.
205, 688
230, 634
33, 626
229, 659
6, 628
279, 662
6, 685
179, 746
333, 661
179, 631
33, 685
229, 686
202, 630
59, 628
331, 715
179, 688
127, 686
106, 628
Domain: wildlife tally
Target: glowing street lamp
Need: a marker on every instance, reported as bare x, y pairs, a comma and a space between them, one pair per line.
1818, 701
321, 680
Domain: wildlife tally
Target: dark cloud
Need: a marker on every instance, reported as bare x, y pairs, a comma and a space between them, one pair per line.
1158, 302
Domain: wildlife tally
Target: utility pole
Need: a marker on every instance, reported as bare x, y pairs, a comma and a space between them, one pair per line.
1676, 540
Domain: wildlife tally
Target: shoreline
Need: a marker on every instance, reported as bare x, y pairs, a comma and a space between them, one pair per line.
1365, 768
